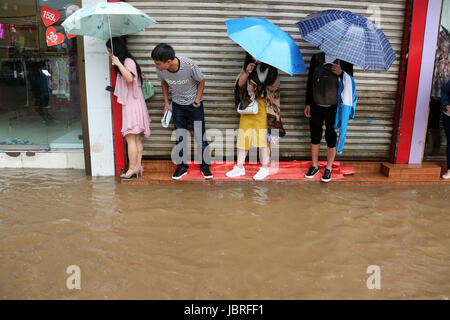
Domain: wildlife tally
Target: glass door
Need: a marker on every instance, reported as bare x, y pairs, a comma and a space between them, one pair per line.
435, 146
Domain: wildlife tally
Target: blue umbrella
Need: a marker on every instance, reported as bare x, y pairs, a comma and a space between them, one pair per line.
349, 37
266, 42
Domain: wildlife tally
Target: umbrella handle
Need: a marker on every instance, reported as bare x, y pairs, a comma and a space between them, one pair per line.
110, 35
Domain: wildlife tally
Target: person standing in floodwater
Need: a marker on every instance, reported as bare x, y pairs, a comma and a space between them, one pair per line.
186, 83
321, 106
135, 118
261, 82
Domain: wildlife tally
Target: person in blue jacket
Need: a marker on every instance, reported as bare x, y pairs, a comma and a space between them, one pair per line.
347, 99
445, 101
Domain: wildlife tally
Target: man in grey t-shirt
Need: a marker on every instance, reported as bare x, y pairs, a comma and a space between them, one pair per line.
186, 83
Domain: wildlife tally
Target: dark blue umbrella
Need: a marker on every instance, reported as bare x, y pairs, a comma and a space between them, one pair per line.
267, 43
349, 37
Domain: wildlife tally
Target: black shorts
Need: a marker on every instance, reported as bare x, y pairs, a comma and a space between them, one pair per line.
319, 115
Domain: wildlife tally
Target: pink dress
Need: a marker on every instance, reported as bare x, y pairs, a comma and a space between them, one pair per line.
135, 118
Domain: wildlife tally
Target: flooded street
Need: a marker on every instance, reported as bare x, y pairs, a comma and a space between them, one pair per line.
307, 241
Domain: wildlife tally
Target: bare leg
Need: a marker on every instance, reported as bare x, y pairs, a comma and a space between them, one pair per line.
315, 148
132, 151
140, 150
331, 154
264, 153
242, 154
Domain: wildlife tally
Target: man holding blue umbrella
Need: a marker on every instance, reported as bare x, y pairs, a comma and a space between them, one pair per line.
348, 37
321, 106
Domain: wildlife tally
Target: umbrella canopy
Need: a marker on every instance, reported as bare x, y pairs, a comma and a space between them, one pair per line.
106, 20
349, 37
266, 42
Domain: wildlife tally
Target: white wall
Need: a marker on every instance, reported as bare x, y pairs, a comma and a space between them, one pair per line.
57, 159
99, 106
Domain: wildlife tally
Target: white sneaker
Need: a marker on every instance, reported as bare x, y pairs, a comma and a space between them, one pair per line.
236, 172
261, 174
446, 176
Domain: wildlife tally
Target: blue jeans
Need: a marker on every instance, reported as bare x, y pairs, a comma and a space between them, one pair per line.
446, 120
181, 115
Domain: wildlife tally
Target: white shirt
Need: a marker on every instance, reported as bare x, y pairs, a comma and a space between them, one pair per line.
262, 76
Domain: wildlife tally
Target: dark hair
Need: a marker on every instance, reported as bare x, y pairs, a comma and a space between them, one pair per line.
120, 50
249, 59
273, 72
163, 52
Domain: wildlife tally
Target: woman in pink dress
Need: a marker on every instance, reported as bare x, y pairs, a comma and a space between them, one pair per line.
135, 118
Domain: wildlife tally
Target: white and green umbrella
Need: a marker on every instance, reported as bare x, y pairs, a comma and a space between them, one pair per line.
106, 20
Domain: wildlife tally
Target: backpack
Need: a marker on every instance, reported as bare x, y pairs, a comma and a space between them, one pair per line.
325, 83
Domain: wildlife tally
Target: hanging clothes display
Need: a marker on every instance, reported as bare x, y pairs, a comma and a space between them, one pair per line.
27, 86
40, 87
60, 76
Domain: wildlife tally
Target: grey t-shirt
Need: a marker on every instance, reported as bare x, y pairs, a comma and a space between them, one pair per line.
183, 83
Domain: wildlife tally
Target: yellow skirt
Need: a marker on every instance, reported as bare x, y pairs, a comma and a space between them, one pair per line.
253, 128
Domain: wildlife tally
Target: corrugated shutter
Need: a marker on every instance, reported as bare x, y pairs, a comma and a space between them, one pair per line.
197, 30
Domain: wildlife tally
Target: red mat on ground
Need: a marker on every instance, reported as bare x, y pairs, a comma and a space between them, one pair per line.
285, 170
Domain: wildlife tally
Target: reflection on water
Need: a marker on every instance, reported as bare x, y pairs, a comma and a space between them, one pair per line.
307, 241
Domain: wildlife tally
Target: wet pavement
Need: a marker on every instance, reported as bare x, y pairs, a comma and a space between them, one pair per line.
265, 241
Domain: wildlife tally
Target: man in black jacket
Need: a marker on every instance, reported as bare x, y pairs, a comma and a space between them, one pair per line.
321, 105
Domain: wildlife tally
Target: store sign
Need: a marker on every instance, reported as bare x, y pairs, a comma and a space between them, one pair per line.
49, 16
53, 38
70, 36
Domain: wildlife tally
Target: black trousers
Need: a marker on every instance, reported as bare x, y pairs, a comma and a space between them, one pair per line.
319, 115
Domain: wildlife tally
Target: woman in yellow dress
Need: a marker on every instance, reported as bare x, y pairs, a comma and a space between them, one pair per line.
261, 82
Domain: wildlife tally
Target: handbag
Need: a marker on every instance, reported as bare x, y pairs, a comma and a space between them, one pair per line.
252, 108
148, 90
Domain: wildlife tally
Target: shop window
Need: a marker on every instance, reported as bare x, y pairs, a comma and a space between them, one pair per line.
39, 84
435, 147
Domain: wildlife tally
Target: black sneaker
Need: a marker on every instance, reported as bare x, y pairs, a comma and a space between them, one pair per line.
179, 172
326, 177
206, 172
312, 172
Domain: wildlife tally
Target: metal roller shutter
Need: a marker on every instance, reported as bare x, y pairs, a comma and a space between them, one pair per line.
197, 30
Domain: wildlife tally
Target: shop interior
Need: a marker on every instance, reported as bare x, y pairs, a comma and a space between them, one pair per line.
39, 82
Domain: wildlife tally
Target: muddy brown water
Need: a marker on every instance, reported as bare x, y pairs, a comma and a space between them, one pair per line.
306, 241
